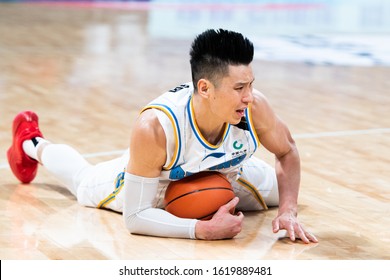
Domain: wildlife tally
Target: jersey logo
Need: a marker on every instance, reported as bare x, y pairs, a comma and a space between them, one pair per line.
229, 163
216, 155
178, 172
237, 145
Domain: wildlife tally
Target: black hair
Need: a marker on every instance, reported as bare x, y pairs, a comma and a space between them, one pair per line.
214, 50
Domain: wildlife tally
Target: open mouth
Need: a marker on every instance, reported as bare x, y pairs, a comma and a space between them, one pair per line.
241, 112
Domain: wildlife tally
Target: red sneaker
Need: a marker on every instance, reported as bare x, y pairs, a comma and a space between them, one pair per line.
24, 127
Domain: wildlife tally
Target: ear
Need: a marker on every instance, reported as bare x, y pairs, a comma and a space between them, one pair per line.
204, 87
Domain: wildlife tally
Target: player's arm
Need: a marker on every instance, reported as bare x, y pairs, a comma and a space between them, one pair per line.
275, 137
147, 157
147, 146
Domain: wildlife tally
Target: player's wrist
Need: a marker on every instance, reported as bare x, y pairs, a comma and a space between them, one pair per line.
288, 205
290, 209
201, 230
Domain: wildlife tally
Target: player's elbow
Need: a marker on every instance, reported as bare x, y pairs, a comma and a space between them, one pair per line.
129, 220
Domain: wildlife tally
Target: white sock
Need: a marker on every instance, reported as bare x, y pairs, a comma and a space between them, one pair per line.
30, 147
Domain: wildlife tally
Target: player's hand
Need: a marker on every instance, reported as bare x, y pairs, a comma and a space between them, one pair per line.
289, 222
223, 224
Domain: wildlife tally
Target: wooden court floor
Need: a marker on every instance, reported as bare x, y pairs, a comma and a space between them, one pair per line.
87, 72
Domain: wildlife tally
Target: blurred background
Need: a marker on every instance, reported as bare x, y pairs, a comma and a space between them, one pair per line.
342, 32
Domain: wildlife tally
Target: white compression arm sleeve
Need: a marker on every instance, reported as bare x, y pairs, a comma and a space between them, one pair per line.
140, 216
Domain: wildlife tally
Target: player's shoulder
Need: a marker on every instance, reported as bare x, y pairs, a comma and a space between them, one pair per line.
263, 115
148, 124
260, 101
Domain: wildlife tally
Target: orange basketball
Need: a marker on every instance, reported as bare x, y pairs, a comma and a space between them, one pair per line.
198, 196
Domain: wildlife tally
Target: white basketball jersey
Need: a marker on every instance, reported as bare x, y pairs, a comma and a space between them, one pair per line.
188, 151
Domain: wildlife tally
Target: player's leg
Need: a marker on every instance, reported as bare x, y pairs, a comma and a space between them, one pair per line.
257, 186
91, 184
101, 185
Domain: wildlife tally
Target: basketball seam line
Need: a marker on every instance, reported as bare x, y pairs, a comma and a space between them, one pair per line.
194, 191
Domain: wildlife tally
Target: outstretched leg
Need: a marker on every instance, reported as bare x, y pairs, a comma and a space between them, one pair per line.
93, 185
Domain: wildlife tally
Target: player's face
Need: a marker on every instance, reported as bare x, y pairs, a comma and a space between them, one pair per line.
233, 94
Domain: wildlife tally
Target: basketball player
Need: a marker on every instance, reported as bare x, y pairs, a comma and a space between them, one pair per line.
214, 123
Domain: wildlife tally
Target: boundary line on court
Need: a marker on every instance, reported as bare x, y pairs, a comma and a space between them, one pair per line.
296, 136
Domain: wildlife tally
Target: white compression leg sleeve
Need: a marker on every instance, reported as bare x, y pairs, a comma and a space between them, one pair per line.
65, 163
140, 216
